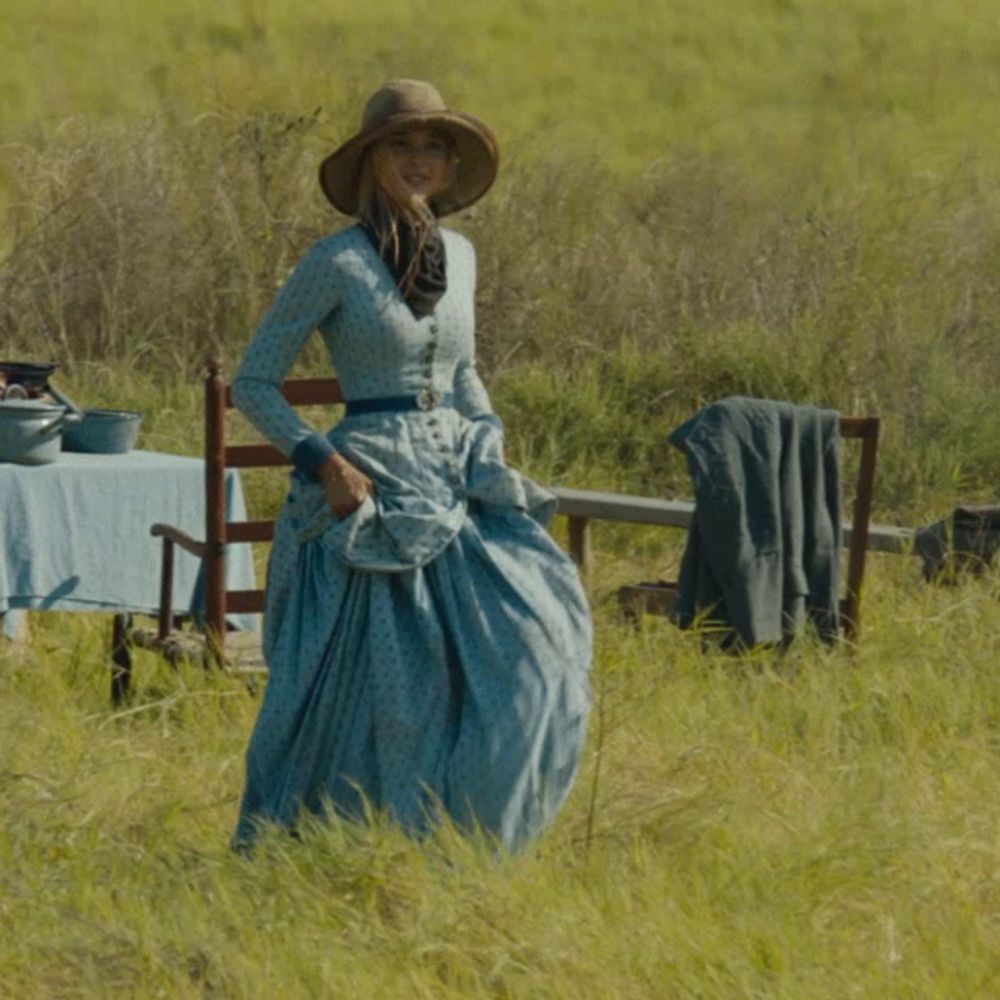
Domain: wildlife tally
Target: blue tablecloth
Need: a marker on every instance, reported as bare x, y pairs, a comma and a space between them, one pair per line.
74, 535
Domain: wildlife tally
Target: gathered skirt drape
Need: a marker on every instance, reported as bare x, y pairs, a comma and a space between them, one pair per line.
458, 686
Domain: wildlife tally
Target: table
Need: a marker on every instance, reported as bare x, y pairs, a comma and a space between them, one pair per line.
74, 534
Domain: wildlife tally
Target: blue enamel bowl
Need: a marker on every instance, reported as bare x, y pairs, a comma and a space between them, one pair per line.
103, 432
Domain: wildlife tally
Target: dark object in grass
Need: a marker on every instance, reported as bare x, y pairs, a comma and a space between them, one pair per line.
963, 543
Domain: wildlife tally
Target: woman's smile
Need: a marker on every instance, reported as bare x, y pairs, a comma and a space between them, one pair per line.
421, 158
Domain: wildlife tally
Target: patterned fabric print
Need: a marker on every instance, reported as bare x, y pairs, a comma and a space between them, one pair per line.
431, 650
377, 346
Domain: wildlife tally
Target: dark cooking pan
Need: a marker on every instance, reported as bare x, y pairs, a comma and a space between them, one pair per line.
30, 374
30, 380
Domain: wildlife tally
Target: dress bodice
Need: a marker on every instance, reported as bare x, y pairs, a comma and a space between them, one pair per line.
425, 465
376, 345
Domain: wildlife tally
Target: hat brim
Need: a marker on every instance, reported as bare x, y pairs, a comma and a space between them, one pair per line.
475, 146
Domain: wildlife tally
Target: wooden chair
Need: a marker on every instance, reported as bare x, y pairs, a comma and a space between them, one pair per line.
658, 598
210, 644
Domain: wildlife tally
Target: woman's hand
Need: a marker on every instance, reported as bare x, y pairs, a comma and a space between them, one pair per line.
345, 485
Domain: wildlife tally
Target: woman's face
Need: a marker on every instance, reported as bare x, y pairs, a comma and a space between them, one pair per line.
421, 158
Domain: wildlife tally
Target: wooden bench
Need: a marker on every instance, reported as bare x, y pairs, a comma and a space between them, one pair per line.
580, 507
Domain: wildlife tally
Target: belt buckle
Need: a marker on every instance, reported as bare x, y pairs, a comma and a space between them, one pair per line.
428, 398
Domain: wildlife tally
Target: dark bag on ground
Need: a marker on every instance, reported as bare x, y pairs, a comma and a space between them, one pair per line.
964, 542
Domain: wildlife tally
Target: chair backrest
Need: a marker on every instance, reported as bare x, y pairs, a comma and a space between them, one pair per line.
218, 457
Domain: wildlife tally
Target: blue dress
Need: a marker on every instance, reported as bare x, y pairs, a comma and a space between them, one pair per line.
429, 652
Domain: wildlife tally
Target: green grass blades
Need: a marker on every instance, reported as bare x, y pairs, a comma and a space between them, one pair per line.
821, 824
786, 198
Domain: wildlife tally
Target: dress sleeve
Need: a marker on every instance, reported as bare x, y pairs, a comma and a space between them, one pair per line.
311, 293
471, 398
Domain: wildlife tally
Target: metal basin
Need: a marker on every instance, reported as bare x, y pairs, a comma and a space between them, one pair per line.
104, 432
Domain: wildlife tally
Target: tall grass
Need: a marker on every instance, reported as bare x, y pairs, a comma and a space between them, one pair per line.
777, 199
785, 198
818, 826
609, 307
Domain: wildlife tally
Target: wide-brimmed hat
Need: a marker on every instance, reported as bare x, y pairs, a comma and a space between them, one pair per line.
405, 104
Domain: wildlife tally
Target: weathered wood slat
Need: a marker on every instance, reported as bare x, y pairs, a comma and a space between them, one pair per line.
859, 427
305, 392
252, 456
630, 509
623, 507
885, 538
244, 602
249, 531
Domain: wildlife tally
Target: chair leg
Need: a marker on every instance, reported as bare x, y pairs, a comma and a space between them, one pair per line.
121, 658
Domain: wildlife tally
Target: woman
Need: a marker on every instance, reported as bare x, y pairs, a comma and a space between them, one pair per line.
428, 643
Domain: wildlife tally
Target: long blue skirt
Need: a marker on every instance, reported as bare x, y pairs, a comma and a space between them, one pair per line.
458, 686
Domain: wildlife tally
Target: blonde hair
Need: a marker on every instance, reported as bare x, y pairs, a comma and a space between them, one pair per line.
385, 200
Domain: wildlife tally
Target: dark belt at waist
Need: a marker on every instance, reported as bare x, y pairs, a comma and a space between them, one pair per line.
426, 399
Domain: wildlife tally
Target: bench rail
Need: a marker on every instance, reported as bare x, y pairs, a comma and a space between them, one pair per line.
581, 507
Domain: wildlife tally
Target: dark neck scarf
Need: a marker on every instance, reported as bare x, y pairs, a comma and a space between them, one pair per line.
430, 278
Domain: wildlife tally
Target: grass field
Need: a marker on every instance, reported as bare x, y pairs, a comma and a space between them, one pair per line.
819, 826
788, 198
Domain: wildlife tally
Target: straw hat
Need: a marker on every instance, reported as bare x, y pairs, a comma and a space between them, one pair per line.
403, 104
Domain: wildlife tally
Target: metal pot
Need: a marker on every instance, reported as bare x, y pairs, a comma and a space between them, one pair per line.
24, 379
31, 431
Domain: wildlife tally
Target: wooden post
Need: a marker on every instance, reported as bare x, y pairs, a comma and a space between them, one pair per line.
579, 545
166, 620
869, 433
215, 512
121, 658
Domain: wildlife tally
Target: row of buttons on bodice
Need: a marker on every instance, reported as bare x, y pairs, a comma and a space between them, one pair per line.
429, 397
433, 397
